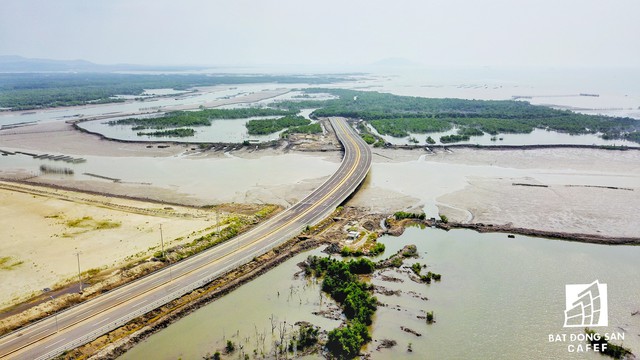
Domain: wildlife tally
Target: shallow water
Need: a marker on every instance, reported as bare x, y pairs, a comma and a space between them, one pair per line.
245, 313
536, 137
232, 131
217, 180
220, 131
499, 298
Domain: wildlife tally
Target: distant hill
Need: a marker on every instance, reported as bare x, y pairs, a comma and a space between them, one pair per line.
14, 63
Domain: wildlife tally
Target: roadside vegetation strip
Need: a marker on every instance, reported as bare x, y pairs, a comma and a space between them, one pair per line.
124, 337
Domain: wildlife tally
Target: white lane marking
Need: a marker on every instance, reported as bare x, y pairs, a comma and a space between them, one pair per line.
59, 341
100, 322
38, 333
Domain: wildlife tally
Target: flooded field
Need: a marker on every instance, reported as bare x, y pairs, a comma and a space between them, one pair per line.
536, 137
279, 295
281, 179
499, 298
233, 131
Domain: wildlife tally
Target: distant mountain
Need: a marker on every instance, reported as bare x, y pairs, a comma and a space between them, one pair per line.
13, 63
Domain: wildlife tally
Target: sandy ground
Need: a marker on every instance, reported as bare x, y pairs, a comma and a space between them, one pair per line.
477, 186
38, 238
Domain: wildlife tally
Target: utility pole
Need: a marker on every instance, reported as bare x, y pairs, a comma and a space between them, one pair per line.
162, 242
79, 276
163, 254
55, 314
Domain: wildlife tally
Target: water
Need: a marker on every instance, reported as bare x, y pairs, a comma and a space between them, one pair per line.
232, 131
220, 131
499, 298
210, 180
536, 137
278, 295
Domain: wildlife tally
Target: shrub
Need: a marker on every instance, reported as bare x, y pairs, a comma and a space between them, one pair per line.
430, 317
231, 347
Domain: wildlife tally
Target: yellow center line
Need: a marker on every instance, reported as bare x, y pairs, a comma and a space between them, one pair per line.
305, 212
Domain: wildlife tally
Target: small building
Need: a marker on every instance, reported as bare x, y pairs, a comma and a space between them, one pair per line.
352, 235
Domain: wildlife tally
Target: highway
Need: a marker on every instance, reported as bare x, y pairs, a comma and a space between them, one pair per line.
86, 321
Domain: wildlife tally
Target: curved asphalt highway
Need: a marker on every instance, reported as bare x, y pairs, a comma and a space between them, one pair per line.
85, 322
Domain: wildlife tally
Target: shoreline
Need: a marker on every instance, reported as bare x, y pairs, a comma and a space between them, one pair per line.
551, 235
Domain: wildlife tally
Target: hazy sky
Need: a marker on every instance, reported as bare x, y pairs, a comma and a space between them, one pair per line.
250, 32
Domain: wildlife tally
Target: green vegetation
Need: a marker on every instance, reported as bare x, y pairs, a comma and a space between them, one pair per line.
470, 131
266, 211
400, 115
88, 222
430, 140
23, 91
369, 139
261, 127
377, 249
399, 215
230, 227
341, 282
417, 269
633, 136
346, 342
396, 260
444, 218
347, 251
176, 119
401, 127
604, 346
230, 347
430, 318
307, 337
180, 132
453, 138
6, 263
314, 128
